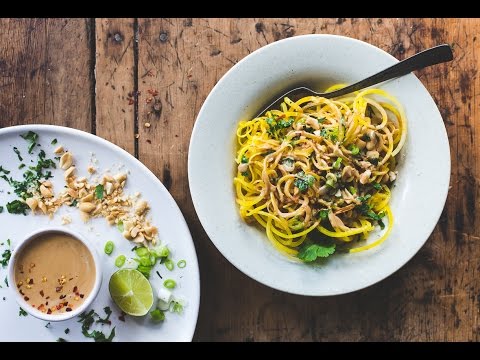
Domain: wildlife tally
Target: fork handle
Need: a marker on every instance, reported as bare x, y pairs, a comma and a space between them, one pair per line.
432, 56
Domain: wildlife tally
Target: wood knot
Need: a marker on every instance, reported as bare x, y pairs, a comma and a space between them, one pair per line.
163, 36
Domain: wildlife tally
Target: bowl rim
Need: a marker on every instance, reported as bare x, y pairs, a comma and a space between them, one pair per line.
35, 312
196, 196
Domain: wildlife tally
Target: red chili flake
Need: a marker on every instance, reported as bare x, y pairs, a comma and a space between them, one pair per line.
81, 295
30, 282
75, 289
70, 279
68, 309
49, 311
48, 297
63, 296
26, 298
65, 303
152, 92
58, 288
41, 307
42, 293
46, 303
21, 292
59, 306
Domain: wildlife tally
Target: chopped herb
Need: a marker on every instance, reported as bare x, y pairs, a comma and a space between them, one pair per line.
31, 138
364, 198
278, 125
1, 209
22, 312
310, 252
303, 181
288, 162
16, 151
88, 319
108, 247
108, 311
8, 242
5, 258
74, 202
245, 173
61, 340
374, 161
321, 120
4, 171
157, 315
17, 207
354, 149
6, 281
336, 164
160, 276
67, 330
377, 186
21, 166
352, 190
181, 264
54, 141
99, 191
244, 159
323, 214
48, 325
365, 137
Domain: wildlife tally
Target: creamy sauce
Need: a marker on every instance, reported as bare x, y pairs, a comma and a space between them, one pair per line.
55, 273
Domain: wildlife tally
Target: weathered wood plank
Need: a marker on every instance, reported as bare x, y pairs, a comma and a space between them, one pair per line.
115, 74
433, 297
45, 72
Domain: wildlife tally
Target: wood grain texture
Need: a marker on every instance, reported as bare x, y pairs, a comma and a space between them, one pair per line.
45, 72
174, 65
115, 75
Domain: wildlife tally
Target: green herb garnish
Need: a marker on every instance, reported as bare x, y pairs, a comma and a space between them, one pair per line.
22, 312
336, 164
244, 159
323, 214
6, 255
17, 207
311, 252
61, 340
16, 151
54, 141
303, 181
99, 191
354, 149
377, 186
31, 138
88, 319
67, 331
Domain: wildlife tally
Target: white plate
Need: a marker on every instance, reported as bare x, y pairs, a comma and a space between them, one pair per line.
165, 214
317, 60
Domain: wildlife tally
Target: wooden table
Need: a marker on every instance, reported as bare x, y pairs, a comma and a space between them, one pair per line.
140, 84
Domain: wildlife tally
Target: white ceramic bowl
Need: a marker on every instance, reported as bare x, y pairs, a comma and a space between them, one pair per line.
317, 61
35, 312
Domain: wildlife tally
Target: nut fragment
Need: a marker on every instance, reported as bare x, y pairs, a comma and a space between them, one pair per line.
109, 188
66, 160
32, 203
120, 178
141, 208
88, 198
58, 150
46, 192
69, 172
42, 206
87, 207
242, 167
90, 169
365, 177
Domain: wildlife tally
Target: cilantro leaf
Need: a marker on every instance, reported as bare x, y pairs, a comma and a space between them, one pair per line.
311, 252
22, 312
17, 207
377, 186
32, 138
244, 159
99, 191
303, 181
5, 258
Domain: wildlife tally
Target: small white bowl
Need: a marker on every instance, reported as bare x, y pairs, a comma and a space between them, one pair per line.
35, 312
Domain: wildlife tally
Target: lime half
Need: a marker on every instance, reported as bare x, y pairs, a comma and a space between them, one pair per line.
131, 291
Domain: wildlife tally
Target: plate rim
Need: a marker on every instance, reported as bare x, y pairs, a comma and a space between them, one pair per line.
194, 195
114, 147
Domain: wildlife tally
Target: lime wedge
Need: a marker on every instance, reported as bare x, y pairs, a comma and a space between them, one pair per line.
131, 291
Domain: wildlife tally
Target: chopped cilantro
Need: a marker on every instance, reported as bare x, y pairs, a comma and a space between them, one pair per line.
22, 312
244, 159
99, 191
31, 138
16, 151
47, 325
310, 252
4, 170
74, 202
303, 181
21, 166
323, 214
17, 207
61, 340
6, 281
67, 330
88, 319
54, 141
5, 258
1, 209
377, 186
